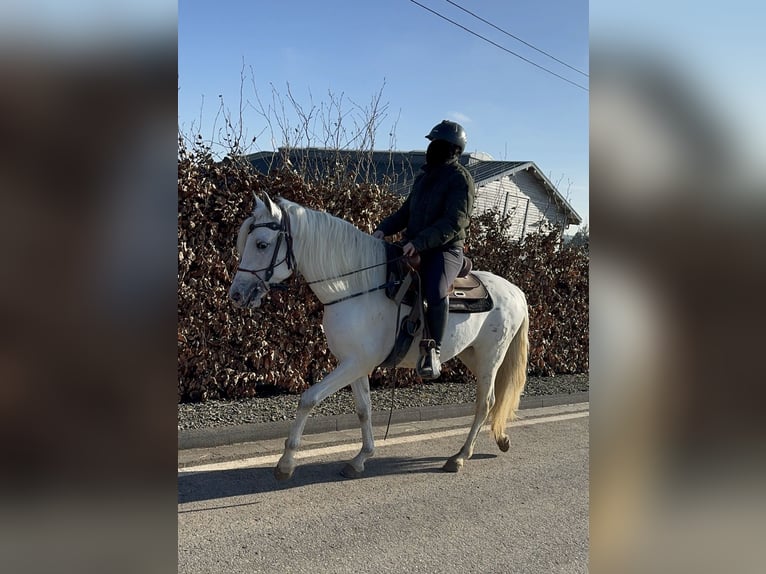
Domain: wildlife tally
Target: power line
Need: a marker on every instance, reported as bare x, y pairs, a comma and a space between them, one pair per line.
516, 38
501, 47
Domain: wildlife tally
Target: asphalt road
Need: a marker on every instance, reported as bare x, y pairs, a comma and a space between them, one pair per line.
522, 511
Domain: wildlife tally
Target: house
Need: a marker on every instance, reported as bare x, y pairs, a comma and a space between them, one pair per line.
518, 189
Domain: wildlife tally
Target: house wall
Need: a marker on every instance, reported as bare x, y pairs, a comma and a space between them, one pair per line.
524, 198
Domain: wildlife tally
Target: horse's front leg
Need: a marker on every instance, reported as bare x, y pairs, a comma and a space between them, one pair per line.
344, 374
355, 467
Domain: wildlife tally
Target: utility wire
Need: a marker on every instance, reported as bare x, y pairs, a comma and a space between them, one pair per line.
501, 47
456, 5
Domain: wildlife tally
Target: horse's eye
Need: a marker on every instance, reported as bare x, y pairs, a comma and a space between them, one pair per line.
261, 245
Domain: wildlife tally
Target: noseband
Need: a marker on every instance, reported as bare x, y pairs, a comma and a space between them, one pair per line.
284, 231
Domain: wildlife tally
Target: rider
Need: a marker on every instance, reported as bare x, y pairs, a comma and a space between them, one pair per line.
435, 218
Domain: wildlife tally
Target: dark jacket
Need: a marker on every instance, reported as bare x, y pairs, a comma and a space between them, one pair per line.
437, 211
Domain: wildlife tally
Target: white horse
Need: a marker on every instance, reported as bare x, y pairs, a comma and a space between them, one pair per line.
345, 268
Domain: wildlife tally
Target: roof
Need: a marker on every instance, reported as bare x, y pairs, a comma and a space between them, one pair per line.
397, 169
484, 172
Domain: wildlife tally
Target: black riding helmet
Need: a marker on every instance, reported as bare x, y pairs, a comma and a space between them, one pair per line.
451, 132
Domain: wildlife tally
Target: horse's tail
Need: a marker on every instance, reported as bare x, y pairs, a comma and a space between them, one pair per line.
509, 384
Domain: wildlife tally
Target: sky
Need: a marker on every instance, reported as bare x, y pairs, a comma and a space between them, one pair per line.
342, 55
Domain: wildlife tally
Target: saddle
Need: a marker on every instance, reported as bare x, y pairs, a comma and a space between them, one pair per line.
466, 295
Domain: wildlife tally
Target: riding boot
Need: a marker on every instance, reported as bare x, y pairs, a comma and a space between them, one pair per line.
429, 365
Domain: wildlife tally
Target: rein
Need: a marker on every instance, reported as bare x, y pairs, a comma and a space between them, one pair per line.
378, 288
356, 271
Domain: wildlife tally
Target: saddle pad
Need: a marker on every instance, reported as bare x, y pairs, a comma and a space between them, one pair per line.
468, 295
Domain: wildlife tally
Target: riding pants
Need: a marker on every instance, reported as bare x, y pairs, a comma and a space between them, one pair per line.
438, 270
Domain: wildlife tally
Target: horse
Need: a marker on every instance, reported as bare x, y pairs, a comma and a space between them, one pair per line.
345, 268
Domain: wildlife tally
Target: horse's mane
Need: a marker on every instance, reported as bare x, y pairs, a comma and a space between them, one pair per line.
326, 246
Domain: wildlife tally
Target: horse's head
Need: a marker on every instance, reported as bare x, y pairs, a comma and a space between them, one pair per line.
265, 249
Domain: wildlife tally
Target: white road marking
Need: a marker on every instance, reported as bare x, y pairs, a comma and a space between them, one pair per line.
268, 460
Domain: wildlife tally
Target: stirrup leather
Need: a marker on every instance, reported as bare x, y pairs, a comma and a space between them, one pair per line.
429, 365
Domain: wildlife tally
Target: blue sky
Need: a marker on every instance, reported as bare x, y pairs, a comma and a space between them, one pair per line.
424, 68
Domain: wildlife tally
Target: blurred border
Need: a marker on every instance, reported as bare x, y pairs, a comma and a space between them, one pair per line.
677, 283
87, 301
88, 128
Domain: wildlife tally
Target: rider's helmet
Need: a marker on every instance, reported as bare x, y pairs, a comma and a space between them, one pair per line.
449, 131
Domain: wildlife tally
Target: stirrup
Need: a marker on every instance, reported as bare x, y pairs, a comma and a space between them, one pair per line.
429, 364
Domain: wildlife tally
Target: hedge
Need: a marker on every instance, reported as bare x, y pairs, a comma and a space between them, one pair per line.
229, 353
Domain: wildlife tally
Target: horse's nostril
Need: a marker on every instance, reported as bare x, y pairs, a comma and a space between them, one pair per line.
236, 296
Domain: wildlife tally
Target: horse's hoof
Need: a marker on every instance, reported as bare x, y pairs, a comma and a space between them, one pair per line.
281, 475
350, 472
504, 443
452, 465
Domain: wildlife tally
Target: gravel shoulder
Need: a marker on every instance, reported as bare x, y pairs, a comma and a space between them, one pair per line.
214, 414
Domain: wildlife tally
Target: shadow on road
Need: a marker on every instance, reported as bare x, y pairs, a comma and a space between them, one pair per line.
247, 481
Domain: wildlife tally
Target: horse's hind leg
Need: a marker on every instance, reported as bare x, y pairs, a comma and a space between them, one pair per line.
355, 467
344, 374
485, 369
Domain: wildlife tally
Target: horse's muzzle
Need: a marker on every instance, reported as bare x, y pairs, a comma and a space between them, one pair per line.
246, 298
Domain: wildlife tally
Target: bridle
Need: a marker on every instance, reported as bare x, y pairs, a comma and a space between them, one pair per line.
284, 232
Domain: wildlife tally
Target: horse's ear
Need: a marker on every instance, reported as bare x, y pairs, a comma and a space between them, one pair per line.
270, 206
